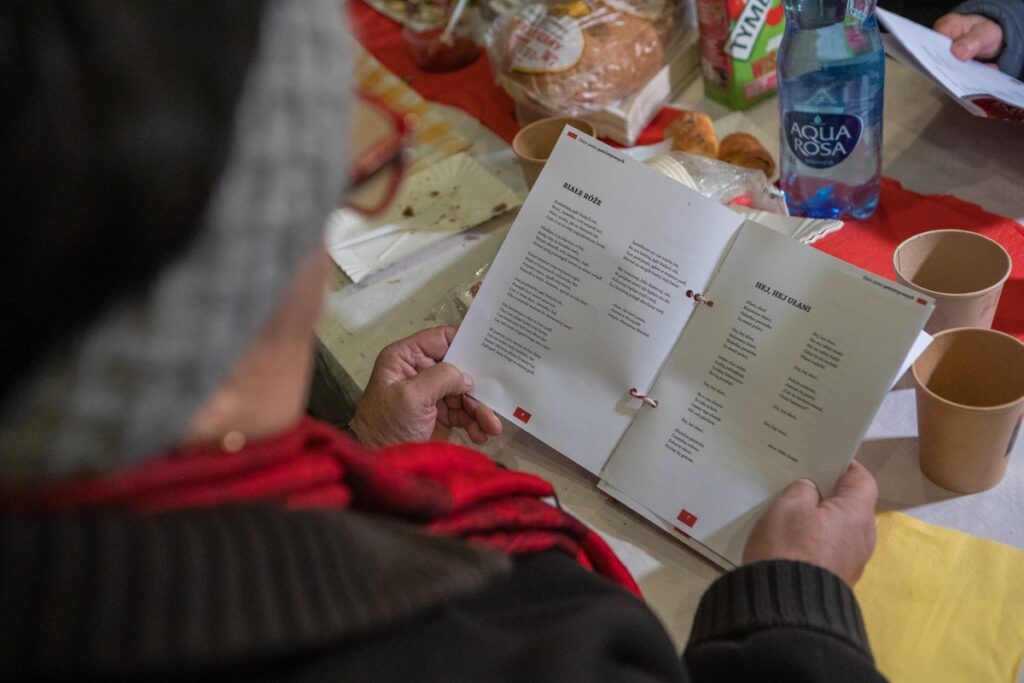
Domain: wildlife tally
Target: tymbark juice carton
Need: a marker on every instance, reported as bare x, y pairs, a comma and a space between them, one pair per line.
739, 43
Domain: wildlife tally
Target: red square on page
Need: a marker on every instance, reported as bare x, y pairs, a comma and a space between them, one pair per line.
572, 135
521, 415
687, 518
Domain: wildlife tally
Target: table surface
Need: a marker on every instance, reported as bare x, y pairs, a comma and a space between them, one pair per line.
931, 145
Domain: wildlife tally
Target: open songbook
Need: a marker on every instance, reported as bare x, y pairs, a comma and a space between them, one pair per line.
697, 362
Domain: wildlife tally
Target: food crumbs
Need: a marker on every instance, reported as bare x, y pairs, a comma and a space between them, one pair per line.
499, 208
407, 212
434, 193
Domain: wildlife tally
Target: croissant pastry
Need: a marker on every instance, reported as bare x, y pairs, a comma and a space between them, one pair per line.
743, 149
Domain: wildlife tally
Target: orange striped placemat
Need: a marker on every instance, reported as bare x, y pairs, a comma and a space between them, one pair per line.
435, 138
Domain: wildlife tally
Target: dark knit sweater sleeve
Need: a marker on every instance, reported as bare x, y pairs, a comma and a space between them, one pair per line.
232, 588
779, 621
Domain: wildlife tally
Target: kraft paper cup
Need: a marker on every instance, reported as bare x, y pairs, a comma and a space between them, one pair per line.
963, 271
533, 144
970, 401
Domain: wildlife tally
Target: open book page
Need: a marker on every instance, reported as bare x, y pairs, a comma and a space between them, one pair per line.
673, 528
779, 380
970, 82
586, 297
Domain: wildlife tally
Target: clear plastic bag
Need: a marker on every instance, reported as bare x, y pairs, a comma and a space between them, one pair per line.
725, 183
451, 309
575, 58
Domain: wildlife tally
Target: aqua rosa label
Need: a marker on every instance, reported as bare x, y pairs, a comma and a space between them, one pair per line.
821, 140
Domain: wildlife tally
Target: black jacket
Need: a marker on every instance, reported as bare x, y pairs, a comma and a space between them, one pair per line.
263, 592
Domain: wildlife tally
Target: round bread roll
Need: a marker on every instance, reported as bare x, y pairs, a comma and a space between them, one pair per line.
621, 52
693, 132
743, 149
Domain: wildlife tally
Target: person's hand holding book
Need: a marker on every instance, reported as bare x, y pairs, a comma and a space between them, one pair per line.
413, 396
837, 533
974, 36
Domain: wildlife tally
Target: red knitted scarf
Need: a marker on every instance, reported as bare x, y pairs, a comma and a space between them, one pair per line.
446, 488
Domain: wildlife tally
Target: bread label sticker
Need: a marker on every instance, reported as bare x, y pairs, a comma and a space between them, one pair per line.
821, 140
544, 43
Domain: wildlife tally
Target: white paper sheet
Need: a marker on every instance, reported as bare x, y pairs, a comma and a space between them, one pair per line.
451, 196
806, 230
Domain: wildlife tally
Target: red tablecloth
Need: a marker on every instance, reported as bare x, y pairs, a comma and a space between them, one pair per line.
902, 213
471, 89
868, 244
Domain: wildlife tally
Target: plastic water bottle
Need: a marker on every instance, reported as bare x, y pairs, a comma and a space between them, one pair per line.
831, 72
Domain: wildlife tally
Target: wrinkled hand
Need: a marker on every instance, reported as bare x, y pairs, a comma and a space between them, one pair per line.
974, 36
837, 533
413, 396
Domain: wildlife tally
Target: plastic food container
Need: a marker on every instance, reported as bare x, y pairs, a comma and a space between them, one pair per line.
433, 51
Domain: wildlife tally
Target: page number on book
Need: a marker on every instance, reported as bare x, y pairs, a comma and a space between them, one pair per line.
687, 518
521, 415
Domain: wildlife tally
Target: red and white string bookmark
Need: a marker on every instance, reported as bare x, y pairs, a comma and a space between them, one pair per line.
648, 401
699, 298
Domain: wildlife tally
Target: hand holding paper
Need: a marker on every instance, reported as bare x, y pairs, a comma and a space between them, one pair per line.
413, 396
973, 36
837, 533
983, 91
